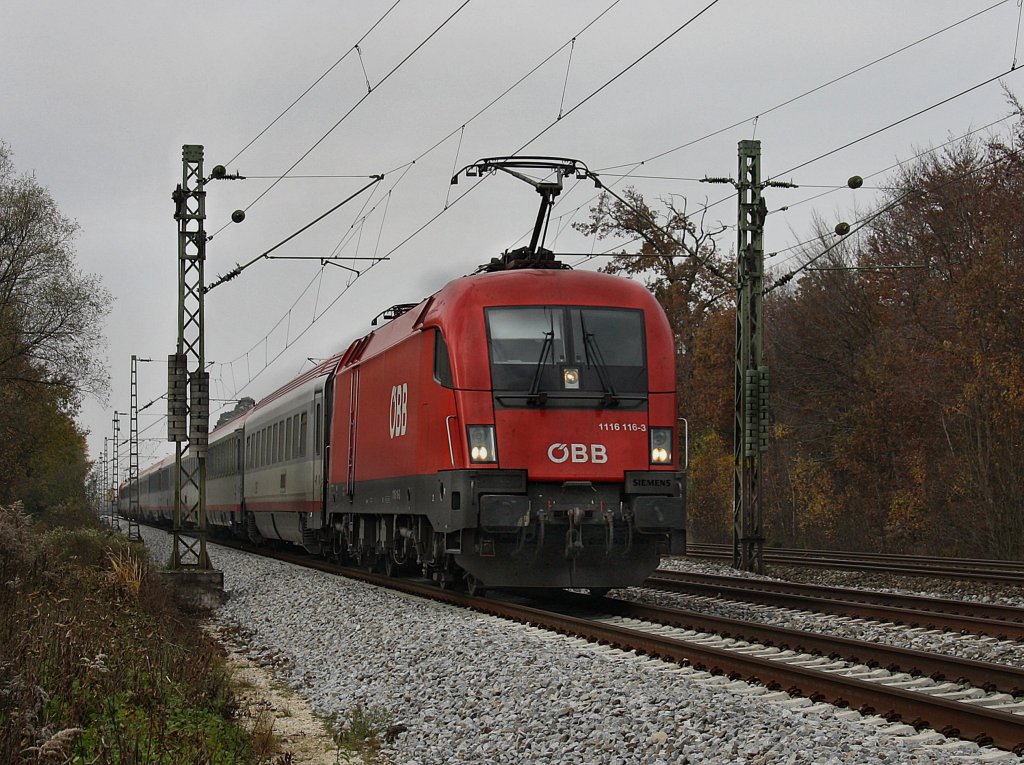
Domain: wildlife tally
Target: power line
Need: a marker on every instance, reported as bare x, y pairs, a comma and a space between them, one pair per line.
651, 50
876, 173
806, 93
408, 165
635, 165
875, 215
355, 106
918, 113
316, 82
510, 88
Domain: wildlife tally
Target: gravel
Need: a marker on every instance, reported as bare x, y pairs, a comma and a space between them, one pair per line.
464, 687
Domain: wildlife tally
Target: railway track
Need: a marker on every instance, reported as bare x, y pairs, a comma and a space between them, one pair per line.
975, 569
972, 700
999, 621
960, 706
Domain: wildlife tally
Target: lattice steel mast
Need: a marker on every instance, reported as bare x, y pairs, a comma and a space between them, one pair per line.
750, 434
133, 456
188, 367
115, 521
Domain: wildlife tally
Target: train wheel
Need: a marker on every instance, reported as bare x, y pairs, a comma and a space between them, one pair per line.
474, 586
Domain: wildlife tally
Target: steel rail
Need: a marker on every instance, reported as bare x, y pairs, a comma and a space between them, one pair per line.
987, 676
951, 718
996, 612
1002, 572
738, 589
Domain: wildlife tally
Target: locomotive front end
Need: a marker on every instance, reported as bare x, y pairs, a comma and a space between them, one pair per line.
574, 476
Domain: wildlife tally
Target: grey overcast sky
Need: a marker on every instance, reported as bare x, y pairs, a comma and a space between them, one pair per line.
99, 96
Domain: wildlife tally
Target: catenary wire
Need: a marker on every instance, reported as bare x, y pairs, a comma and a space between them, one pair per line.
405, 167
316, 82
649, 51
785, 278
355, 106
874, 174
813, 90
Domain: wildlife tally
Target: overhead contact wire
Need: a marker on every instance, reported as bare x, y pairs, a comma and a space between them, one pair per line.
878, 213
509, 89
355, 106
651, 50
918, 113
316, 82
813, 90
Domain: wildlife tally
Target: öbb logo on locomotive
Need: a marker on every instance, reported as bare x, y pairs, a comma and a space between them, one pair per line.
596, 453
399, 411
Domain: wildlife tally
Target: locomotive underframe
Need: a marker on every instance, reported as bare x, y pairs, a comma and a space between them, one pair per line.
496, 528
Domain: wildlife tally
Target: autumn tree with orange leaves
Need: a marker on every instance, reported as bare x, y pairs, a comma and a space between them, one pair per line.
899, 386
897, 396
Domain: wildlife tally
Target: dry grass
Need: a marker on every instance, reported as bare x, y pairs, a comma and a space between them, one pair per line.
264, 742
98, 662
127, 570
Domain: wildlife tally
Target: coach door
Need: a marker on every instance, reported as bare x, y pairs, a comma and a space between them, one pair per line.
350, 451
318, 441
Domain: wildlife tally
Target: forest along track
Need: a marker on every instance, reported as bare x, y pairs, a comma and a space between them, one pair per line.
982, 708
999, 621
975, 569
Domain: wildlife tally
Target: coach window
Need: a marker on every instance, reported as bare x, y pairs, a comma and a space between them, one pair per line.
274, 453
302, 434
442, 362
288, 440
295, 435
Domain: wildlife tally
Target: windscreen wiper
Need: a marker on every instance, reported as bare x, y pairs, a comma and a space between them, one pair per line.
594, 357
537, 397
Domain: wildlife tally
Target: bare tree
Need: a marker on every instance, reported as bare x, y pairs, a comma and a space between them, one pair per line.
50, 311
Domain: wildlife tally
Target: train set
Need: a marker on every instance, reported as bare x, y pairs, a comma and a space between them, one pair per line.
518, 428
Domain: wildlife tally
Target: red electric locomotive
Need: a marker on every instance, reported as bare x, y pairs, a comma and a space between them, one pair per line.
517, 428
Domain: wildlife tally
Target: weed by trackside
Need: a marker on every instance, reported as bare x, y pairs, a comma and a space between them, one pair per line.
363, 730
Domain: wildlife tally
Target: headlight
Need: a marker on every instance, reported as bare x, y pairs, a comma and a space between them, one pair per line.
661, 446
571, 378
481, 442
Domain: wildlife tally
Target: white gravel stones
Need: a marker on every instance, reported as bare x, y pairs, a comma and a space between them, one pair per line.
473, 688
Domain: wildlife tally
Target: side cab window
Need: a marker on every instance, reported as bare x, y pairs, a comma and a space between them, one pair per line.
442, 364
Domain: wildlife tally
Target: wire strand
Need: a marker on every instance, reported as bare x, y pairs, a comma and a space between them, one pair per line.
316, 82
649, 51
355, 106
812, 91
